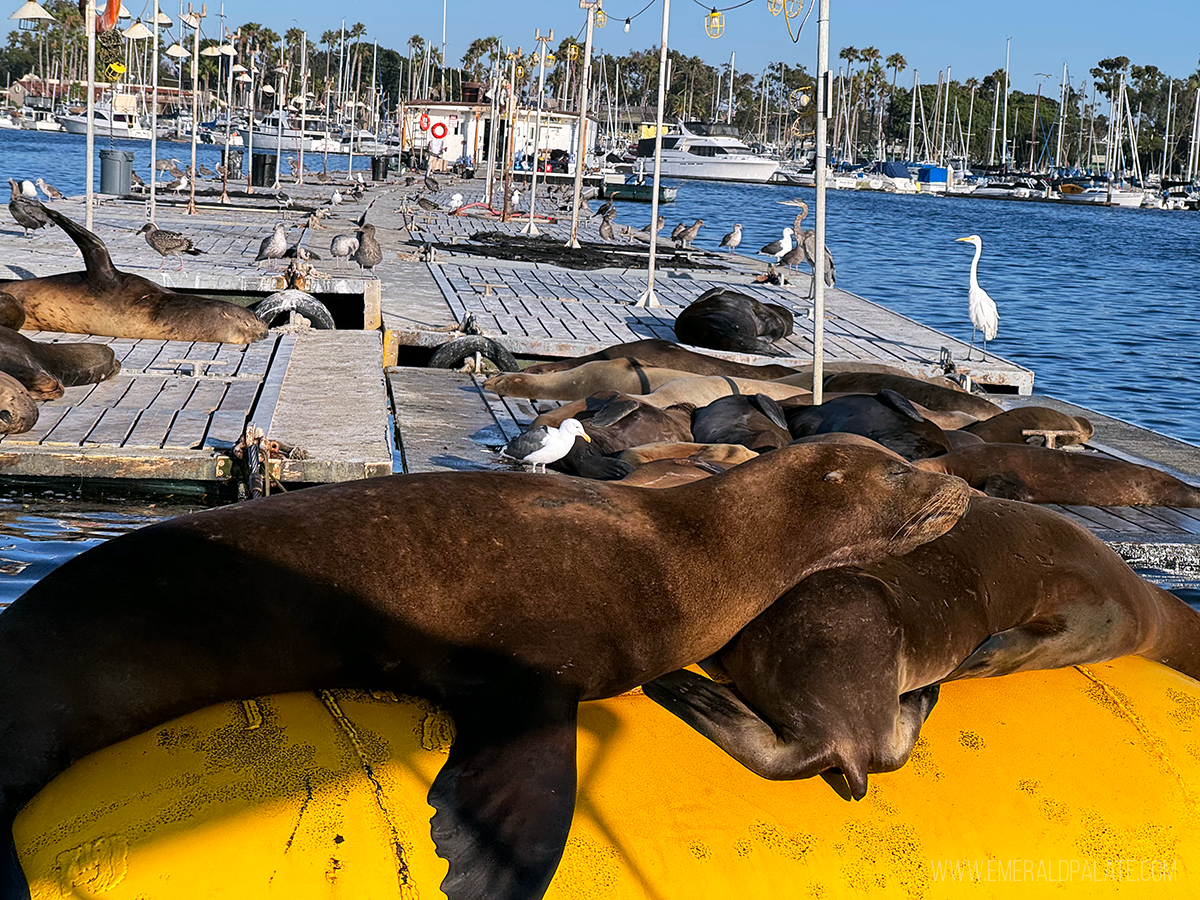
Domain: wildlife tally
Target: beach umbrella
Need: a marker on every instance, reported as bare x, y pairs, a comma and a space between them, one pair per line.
137, 32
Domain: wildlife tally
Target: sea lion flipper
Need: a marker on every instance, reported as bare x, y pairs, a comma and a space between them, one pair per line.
614, 412
1014, 650
900, 404
506, 795
95, 255
769, 407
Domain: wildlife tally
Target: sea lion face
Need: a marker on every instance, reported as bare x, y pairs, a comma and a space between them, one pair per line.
18, 410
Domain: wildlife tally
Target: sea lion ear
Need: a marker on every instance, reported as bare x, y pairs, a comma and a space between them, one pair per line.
899, 403
836, 476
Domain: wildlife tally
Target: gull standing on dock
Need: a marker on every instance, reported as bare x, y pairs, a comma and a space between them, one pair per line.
545, 444
426, 204
275, 246
27, 213
658, 226
51, 192
677, 232
369, 253
168, 243
778, 248
981, 307
343, 246
29, 189
178, 185
431, 183
689, 233
734, 237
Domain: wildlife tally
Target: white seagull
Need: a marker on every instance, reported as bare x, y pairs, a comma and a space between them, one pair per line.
544, 444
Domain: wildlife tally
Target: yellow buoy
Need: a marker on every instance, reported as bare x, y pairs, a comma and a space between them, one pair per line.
1082, 782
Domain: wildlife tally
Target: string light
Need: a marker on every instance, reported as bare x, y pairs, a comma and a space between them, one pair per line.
601, 18
627, 21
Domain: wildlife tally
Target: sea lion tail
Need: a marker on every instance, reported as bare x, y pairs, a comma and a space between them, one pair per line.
95, 255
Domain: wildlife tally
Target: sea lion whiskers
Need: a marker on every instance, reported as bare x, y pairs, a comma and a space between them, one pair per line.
949, 504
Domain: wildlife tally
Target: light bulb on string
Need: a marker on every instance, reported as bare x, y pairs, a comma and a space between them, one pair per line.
627, 21
714, 23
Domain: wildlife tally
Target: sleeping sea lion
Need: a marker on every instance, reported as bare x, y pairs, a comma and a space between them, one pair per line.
625, 375
937, 397
1041, 475
757, 422
885, 417
45, 368
841, 672
282, 595
668, 473
106, 301
699, 390
667, 355
12, 313
1006, 427
723, 319
733, 454
18, 410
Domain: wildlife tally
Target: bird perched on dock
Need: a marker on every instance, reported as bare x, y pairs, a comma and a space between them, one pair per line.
369, 253
606, 226
343, 246
275, 246
544, 444
981, 307
221, 170
51, 192
604, 209
206, 172
431, 183
27, 213
516, 198
778, 248
426, 204
136, 179
677, 232
165, 165
359, 180
409, 180
301, 253
324, 177
455, 202
178, 184
175, 171
734, 238
168, 243
658, 226
806, 240
284, 199
335, 198
29, 189
689, 233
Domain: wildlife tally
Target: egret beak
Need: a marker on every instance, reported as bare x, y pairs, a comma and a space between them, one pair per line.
962, 240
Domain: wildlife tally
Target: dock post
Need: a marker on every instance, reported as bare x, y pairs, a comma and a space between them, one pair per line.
591, 6
823, 92
648, 298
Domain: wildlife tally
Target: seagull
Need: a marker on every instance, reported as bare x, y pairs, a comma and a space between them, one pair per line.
335, 198
780, 247
981, 307
343, 246
455, 202
545, 444
136, 179
168, 243
275, 246
516, 197
51, 192
658, 225
28, 189
221, 170
206, 172
358, 177
734, 237
431, 183
178, 185
369, 253
689, 233
27, 213
284, 200
427, 204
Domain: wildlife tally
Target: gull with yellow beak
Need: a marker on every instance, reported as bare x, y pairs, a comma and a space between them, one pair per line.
545, 444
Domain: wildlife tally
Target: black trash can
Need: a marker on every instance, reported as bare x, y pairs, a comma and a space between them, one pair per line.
116, 168
262, 170
233, 162
379, 168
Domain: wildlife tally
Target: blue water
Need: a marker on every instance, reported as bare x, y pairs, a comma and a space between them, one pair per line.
61, 159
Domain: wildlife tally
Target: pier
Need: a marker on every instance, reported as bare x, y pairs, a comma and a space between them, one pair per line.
358, 402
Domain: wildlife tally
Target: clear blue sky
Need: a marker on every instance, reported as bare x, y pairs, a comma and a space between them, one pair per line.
931, 34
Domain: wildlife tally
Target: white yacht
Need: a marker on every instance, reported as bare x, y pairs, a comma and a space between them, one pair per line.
268, 136
108, 123
712, 152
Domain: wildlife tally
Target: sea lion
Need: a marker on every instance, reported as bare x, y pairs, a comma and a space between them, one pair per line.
625, 375
733, 454
616, 421
699, 390
667, 355
12, 313
937, 397
1041, 475
885, 417
757, 422
841, 672
105, 301
18, 410
669, 473
723, 319
280, 595
1006, 427
44, 368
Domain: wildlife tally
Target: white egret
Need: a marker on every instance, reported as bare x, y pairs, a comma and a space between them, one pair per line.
982, 308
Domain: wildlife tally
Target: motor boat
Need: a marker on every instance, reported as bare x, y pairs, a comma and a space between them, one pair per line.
108, 123
710, 152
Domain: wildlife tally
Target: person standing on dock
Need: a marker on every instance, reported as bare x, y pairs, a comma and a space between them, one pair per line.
436, 148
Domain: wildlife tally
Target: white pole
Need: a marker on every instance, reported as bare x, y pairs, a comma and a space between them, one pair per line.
280, 90
303, 101
250, 104
823, 92
154, 119
1004, 129
89, 18
532, 229
1167, 129
995, 113
444, 56
912, 120
945, 117
648, 298
591, 6
195, 23
729, 112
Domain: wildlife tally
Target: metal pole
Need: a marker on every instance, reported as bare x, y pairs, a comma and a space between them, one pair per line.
250, 124
648, 298
729, 112
280, 90
89, 18
823, 79
506, 158
945, 119
303, 102
1004, 128
489, 181
912, 120
195, 23
228, 109
444, 56
154, 119
591, 6
531, 229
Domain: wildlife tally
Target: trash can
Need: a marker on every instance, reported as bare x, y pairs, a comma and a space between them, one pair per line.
233, 162
116, 168
379, 168
262, 170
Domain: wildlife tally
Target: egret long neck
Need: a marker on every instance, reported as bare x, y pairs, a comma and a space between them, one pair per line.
975, 266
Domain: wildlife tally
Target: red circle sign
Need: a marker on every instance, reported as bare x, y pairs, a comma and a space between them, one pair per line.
436, 133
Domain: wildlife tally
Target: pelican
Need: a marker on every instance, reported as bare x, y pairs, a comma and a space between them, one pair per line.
982, 308
780, 247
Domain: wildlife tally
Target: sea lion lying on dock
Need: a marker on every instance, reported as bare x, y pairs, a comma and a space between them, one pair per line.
625, 375
757, 422
723, 454
280, 595
886, 417
723, 319
840, 673
668, 355
18, 410
1006, 427
106, 301
45, 368
1041, 475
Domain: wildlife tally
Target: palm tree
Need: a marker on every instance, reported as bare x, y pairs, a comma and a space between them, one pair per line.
868, 56
850, 55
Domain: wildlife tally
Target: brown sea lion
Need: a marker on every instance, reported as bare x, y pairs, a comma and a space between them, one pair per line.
441, 607
757, 422
935, 397
616, 421
625, 375
1006, 427
733, 454
105, 301
667, 355
12, 313
841, 672
724, 319
1041, 475
18, 410
885, 417
668, 473
45, 368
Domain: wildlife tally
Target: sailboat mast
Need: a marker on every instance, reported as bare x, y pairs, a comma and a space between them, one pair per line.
1062, 118
1004, 128
729, 112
